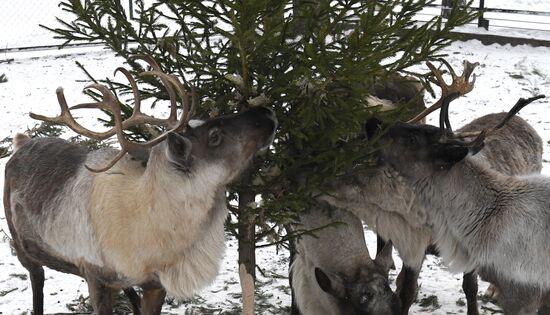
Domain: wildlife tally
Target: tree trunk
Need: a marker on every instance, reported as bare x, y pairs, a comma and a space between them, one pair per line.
247, 250
292, 251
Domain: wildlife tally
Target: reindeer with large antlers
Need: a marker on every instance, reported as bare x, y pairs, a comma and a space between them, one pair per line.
483, 219
120, 221
388, 205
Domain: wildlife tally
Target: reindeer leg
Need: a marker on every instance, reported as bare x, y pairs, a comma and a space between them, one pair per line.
152, 301
101, 296
134, 299
380, 243
517, 298
544, 308
469, 285
37, 283
407, 285
36, 273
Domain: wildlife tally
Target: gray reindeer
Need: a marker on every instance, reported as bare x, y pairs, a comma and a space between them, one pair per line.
408, 230
343, 279
387, 204
483, 220
120, 221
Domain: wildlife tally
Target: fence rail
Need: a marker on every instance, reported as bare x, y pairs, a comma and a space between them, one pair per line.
20, 20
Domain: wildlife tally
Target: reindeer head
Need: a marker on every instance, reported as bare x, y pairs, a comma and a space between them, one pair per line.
418, 151
226, 143
365, 292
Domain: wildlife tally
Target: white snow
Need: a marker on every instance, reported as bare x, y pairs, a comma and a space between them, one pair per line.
505, 74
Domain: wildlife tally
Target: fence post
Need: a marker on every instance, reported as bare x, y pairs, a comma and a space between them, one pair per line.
446, 6
131, 8
481, 21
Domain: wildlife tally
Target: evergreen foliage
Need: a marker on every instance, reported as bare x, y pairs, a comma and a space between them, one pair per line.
312, 61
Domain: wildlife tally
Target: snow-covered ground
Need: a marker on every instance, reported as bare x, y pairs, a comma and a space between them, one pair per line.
505, 74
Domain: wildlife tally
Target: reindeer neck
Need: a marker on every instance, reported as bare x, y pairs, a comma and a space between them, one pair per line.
462, 194
171, 190
459, 201
155, 211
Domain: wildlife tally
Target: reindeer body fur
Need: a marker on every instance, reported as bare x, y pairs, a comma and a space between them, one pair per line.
496, 225
351, 262
488, 214
157, 224
483, 219
390, 206
87, 224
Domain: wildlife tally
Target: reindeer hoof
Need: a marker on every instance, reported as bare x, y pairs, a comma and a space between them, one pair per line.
492, 292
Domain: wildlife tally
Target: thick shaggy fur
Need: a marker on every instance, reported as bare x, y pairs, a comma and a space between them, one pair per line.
158, 224
483, 220
349, 262
497, 225
111, 221
388, 204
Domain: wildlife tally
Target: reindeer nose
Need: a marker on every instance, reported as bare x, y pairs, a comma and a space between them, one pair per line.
263, 113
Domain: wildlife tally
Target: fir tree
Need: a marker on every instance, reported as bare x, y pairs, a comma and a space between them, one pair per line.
313, 62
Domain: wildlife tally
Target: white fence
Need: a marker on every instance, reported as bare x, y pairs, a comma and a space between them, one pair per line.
20, 20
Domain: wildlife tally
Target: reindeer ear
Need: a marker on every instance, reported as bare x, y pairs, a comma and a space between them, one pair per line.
179, 148
446, 155
331, 284
373, 127
384, 257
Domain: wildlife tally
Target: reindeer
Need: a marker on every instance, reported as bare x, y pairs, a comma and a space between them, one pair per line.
343, 281
119, 221
521, 155
483, 220
388, 205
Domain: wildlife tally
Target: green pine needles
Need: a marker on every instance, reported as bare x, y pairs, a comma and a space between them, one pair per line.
313, 61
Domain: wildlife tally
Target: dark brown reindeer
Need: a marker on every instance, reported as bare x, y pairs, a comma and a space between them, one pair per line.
483, 220
118, 221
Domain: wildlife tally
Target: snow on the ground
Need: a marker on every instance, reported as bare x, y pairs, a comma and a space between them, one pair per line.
505, 74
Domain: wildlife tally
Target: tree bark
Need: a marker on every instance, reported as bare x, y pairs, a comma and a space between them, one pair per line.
247, 250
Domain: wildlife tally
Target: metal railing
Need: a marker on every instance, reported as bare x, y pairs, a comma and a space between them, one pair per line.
20, 20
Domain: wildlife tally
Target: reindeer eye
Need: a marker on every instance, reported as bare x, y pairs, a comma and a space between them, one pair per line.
214, 137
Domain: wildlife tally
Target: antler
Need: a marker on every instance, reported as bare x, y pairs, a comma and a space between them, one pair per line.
520, 104
460, 84
447, 136
110, 102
